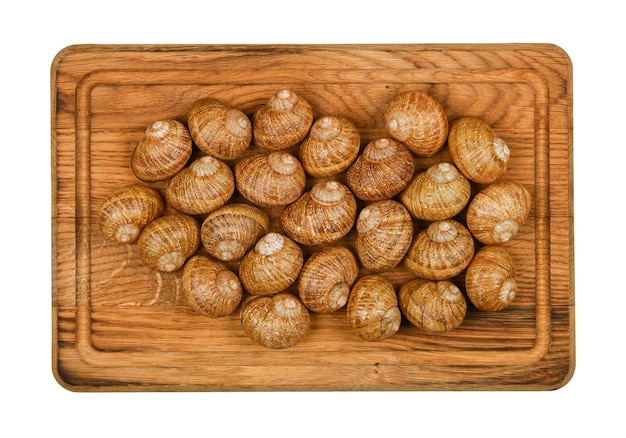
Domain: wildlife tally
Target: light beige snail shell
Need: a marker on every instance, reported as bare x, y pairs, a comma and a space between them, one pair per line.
331, 147
372, 311
283, 122
418, 120
167, 242
210, 288
202, 187
382, 171
384, 235
477, 151
433, 306
232, 230
270, 179
275, 321
326, 279
164, 149
218, 129
322, 215
128, 210
440, 192
272, 266
490, 279
441, 251
497, 212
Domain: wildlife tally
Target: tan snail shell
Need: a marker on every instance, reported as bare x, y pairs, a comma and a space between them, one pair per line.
272, 266
204, 186
382, 171
331, 147
477, 151
163, 150
270, 180
128, 210
433, 306
324, 214
440, 192
276, 321
417, 120
232, 230
373, 311
283, 122
384, 235
218, 129
441, 251
326, 279
167, 242
210, 287
497, 212
490, 279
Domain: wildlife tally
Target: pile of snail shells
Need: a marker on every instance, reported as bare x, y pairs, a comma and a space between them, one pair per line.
254, 210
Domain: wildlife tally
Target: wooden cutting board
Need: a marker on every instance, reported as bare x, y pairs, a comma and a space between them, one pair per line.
117, 326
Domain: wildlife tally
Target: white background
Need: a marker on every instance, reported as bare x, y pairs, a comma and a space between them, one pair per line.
591, 403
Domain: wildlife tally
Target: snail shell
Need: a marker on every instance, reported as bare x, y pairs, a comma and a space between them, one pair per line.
167, 242
373, 311
270, 180
164, 149
324, 214
490, 279
210, 288
441, 251
232, 230
204, 186
440, 192
384, 235
272, 266
382, 171
433, 306
218, 129
326, 278
277, 321
128, 210
331, 146
477, 151
497, 212
417, 120
283, 122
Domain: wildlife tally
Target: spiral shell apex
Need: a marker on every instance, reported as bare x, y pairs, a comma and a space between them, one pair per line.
125, 213
331, 147
164, 149
283, 122
433, 306
277, 321
218, 129
417, 120
210, 288
382, 171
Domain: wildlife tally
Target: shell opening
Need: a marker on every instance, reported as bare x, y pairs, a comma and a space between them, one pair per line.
227, 282
369, 218
442, 173
338, 296
170, 262
237, 123
205, 166
508, 291
286, 306
228, 250
391, 321
501, 149
270, 244
328, 192
504, 230
449, 291
283, 163
127, 233
380, 150
442, 231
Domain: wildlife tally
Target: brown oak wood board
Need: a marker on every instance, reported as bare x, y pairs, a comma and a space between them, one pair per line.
117, 326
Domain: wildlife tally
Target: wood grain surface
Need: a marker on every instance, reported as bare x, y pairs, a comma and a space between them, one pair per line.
118, 326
